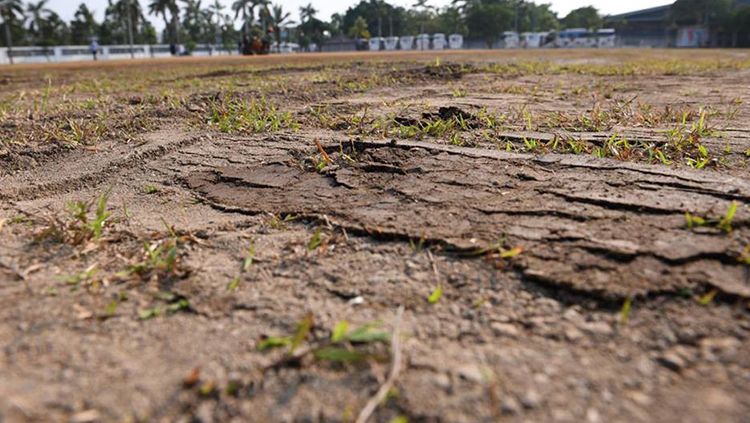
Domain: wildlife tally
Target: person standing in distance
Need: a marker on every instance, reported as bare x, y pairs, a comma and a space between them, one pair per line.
94, 48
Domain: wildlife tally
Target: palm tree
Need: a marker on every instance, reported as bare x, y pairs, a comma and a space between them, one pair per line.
244, 8
278, 19
161, 7
426, 8
38, 13
10, 11
193, 18
216, 8
83, 26
264, 14
307, 12
126, 16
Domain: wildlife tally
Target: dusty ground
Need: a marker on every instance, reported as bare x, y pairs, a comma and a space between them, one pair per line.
568, 234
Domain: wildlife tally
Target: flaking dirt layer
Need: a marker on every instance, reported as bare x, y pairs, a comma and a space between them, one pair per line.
572, 287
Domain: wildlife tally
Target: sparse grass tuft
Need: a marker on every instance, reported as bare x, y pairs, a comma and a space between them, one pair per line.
160, 261
723, 223
745, 256
173, 303
80, 226
344, 345
627, 306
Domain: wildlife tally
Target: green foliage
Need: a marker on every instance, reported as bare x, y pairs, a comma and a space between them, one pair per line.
707, 298
344, 345
584, 17
81, 277
340, 331
359, 29
234, 284
723, 223
488, 20
316, 240
436, 294
173, 303
235, 115
627, 306
160, 259
80, 226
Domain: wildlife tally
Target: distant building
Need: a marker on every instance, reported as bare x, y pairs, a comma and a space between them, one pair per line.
643, 28
654, 27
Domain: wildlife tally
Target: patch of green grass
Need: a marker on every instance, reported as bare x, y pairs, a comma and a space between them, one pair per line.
723, 223
160, 260
80, 225
235, 115
344, 345
459, 92
173, 303
82, 277
417, 245
531, 144
280, 222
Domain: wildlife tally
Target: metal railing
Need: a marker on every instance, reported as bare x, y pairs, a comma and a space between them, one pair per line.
82, 53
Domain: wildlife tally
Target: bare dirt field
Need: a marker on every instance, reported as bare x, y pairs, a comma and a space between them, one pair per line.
452, 237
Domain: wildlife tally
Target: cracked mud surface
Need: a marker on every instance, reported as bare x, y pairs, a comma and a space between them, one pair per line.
535, 335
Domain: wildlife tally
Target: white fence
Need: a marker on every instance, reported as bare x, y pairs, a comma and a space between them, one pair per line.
81, 53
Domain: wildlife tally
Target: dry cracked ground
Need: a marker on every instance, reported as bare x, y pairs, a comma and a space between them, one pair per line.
565, 234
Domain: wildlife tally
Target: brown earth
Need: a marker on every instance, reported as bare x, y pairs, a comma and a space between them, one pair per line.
572, 287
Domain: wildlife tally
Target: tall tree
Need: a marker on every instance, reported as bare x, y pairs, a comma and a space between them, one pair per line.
45, 27
160, 8
83, 26
450, 21
12, 12
264, 14
193, 21
216, 9
118, 16
38, 13
337, 24
307, 12
359, 29
373, 11
244, 8
424, 12
279, 18
584, 17
488, 20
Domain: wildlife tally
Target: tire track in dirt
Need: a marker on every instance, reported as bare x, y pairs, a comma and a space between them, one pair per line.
86, 169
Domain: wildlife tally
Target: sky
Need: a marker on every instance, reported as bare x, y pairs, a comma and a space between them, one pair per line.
66, 8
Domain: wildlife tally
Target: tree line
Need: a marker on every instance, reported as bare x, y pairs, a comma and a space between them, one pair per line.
190, 22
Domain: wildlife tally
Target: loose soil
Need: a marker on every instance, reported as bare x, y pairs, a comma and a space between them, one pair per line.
573, 288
